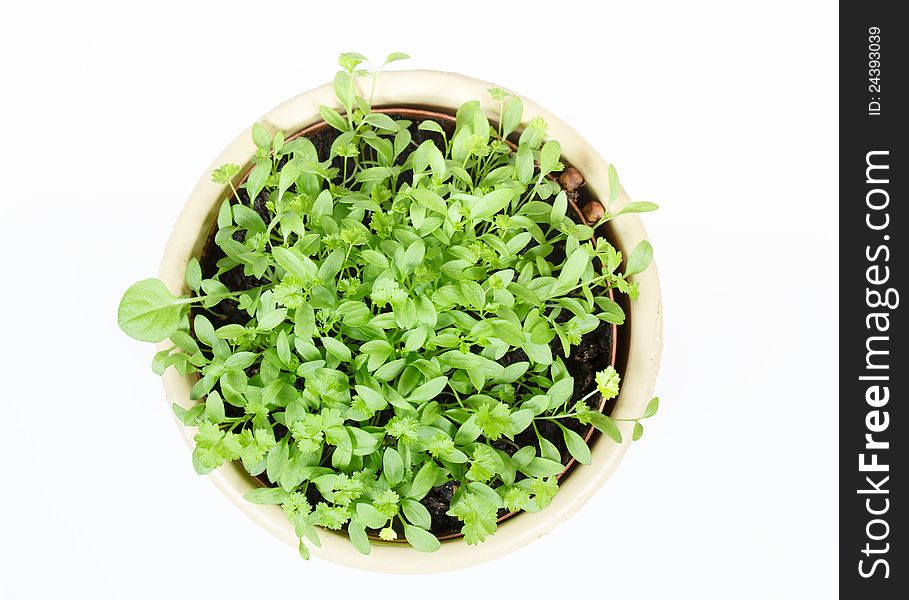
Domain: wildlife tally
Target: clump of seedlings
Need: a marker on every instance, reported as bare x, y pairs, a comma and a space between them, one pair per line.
388, 328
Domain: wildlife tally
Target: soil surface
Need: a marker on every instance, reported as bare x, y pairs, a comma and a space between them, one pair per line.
593, 353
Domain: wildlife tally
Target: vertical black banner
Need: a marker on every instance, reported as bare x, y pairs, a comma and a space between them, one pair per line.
873, 369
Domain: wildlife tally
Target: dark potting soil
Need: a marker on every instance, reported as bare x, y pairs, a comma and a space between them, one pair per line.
594, 351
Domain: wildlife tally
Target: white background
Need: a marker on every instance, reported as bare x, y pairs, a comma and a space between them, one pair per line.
722, 114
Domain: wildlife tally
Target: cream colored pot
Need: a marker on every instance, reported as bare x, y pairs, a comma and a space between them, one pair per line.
643, 329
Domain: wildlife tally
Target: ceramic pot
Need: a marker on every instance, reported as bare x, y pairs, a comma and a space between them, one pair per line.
640, 338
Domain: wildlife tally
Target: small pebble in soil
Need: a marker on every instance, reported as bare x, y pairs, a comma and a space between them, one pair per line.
593, 211
571, 179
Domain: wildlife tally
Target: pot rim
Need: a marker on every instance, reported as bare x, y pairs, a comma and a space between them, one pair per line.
642, 330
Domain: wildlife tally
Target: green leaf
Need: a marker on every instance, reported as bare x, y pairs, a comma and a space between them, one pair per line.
375, 258
277, 460
283, 348
390, 370
256, 180
423, 481
431, 126
613, 313
491, 203
524, 164
373, 174
350, 60
416, 513
296, 264
382, 121
613, 185
474, 293
538, 353
191, 416
652, 407
312, 534
468, 432
421, 539
371, 516
213, 287
358, 537
573, 269
638, 431
363, 442
576, 445
413, 256
430, 200
637, 207
542, 467
511, 116
428, 155
560, 392
288, 178
261, 137
193, 275
179, 412
549, 157
395, 56
323, 206
428, 390
478, 513
240, 360
303, 550
521, 419
522, 457
559, 206
392, 467
331, 116
337, 348
538, 404
605, 425
344, 90
272, 320
266, 495
549, 450
214, 407
640, 258
225, 215
149, 312
224, 174
373, 399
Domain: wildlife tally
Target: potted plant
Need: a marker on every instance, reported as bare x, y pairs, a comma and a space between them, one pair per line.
387, 329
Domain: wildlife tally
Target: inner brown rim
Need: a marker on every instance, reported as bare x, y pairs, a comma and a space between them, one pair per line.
418, 113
